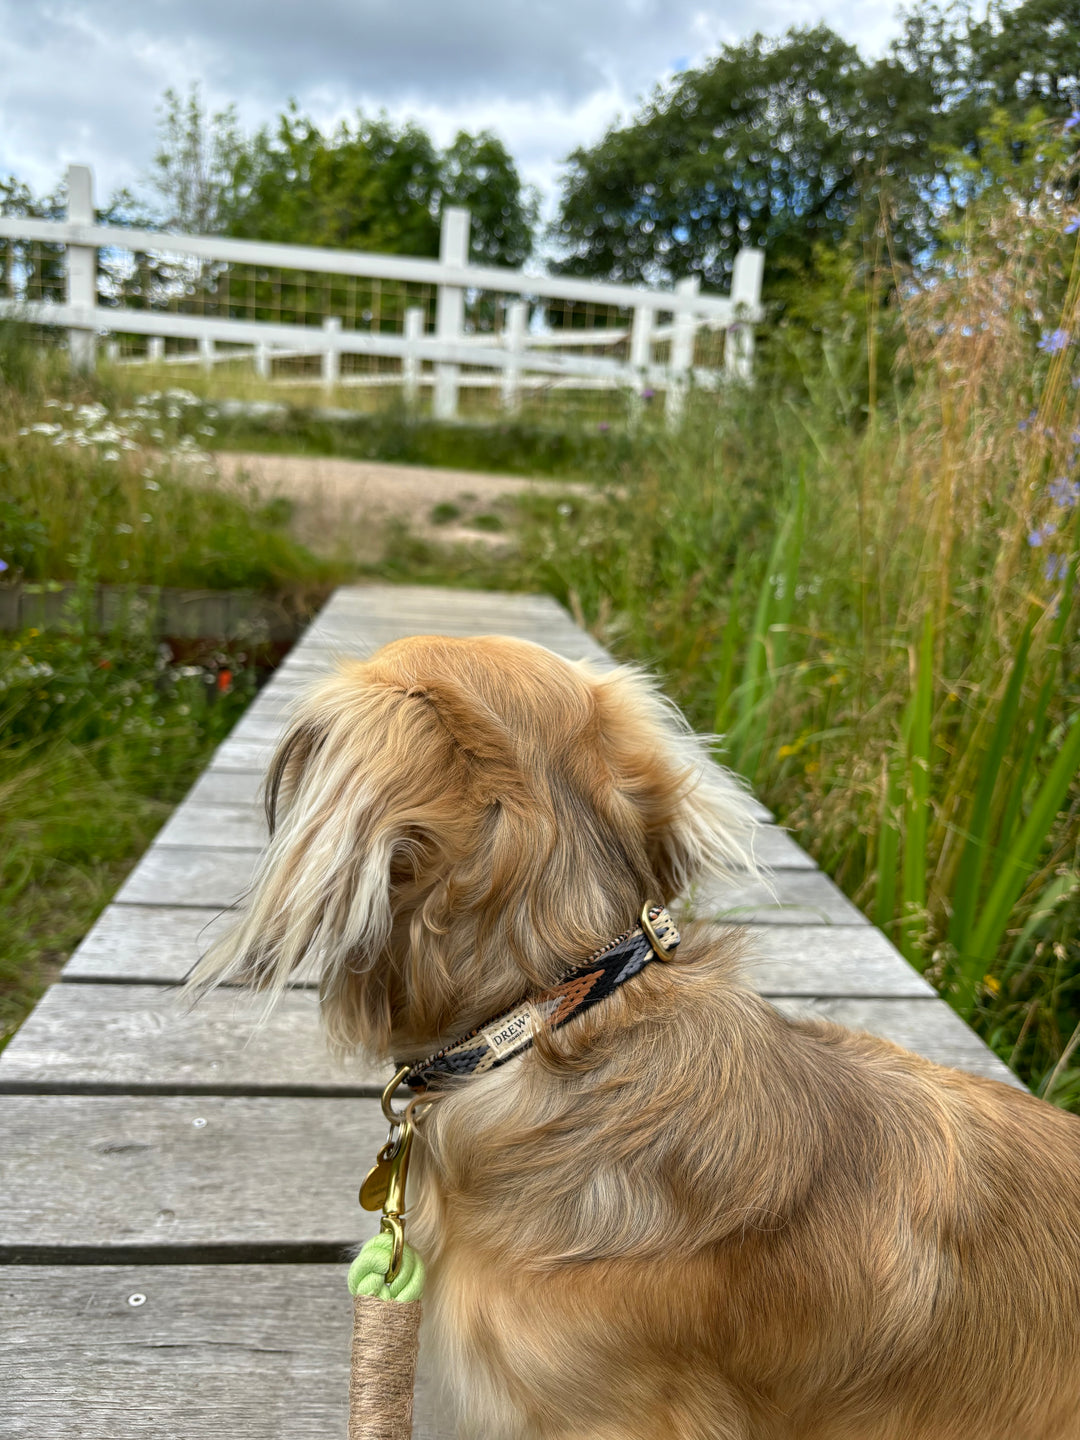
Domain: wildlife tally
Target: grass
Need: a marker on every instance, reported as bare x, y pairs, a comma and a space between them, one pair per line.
99, 737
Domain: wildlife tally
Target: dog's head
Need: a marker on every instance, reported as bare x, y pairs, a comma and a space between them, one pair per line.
456, 822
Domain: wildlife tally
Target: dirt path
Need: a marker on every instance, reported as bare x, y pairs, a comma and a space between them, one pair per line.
350, 500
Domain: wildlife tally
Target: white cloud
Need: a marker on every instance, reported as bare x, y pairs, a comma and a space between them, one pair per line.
80, 79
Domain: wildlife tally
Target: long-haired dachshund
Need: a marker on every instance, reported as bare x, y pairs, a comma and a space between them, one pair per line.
675, 1213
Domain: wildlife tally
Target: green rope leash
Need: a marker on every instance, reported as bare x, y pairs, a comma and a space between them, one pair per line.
367, 1273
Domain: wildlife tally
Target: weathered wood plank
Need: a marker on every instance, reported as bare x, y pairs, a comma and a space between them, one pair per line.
152, 1352
243, 755
147, 1038
188, 875
820, 960
794, 897
227, 787
198, 875
928, 1027
118, 1177
231, 827
159, 944
217, 827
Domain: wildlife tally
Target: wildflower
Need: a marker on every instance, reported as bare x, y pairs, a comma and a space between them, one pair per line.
1054, 341
1064, 492
565, 510
603, 427
224, 682
993, 984
647, 393
3, 566
1028, 420
1056, 568
111, 455
1073, 225
146, 519
1073, 120
151, 485
125, 529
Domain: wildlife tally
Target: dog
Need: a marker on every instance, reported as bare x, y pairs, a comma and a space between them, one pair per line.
680, 1216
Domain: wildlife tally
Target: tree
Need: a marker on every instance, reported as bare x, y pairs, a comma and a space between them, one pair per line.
798, 143
193, 168
774, 142
374, 185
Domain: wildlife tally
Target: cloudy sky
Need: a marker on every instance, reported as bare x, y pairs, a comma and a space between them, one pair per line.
80, 79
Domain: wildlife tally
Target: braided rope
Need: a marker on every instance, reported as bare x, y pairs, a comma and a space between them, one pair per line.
367, 1273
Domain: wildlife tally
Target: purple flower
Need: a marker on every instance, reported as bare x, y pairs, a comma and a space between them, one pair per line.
647, 393
1054, 341
1064, 492
1041, 534
603, 427
1073, 120
3, 566
1072, 227
1028, 421
1056, 568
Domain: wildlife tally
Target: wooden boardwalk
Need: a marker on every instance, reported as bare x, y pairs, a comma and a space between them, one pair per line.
178, 1188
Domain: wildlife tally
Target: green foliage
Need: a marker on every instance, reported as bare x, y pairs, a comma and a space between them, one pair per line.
373, 185
99, 737
444, 513
797, 142
197, 156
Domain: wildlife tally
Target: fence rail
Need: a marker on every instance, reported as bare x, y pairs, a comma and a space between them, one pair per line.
488, 326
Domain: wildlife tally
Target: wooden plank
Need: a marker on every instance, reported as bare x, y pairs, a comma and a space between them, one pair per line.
227, 787
121, 1352
199, 875
142, 1039
795, 897
145, 1038
929, 1027
216, 827
147, 943
819, 960
158, 944
189, 875
243, 755
116, 1178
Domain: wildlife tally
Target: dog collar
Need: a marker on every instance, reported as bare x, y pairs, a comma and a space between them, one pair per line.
496, 1041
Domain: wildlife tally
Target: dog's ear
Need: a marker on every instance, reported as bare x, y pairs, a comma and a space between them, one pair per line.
362, 795
697, 817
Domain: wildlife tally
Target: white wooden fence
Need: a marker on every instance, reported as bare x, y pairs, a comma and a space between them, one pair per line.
522, 353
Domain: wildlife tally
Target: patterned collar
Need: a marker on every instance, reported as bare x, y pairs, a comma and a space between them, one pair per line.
496, 1041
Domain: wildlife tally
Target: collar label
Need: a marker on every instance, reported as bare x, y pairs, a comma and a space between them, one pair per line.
510, 1034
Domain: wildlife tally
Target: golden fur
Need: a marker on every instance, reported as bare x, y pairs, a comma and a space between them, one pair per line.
682, 1215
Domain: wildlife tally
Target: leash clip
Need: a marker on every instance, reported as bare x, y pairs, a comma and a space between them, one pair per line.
384, 1187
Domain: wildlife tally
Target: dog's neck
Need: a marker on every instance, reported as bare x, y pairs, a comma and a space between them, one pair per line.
510, 1033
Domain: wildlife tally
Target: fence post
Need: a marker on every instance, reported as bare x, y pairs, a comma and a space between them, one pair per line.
262, 362
517, 324
410, 364
450, 307
745, 291
682, 352
155, 349
206, 353
640, 355
81, 267
331, 356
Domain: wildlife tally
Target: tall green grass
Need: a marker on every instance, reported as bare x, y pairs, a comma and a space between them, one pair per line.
874, 599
